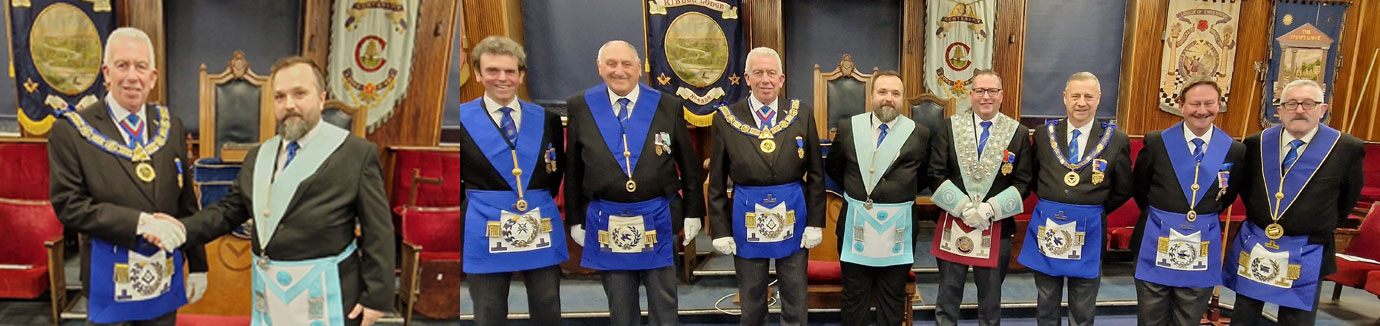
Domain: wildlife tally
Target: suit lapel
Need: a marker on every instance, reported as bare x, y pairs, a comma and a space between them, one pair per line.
105, 124
1062, 132
1094, 136
743, 110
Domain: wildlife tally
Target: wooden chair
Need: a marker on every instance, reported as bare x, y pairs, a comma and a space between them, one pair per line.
343, 115
839, 94
236, 107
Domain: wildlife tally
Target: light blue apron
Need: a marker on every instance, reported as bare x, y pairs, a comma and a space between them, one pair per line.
305, 292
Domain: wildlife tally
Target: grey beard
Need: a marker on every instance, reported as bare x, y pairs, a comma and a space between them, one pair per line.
294, 131
886, 113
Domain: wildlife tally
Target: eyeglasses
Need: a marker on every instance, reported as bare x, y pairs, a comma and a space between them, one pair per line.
986, 91
1307, 105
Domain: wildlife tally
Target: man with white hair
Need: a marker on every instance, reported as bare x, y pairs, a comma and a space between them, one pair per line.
768, 146
1303, 177
634, 178
1082, 171
114, 165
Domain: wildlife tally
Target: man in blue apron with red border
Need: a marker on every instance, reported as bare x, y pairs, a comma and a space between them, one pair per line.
981, 165
879, 158
1303, 178
767, 145
633, 180
1083, 171
116, 164
1183, 179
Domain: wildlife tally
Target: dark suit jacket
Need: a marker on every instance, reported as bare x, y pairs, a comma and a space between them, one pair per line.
944, 165
1328, 197
595, 174
735, 157
1049, 174
1157, 184
346, 190
98, 194
899, 184
477, 173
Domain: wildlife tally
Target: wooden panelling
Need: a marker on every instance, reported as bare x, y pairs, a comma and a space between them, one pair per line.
316, 31
147, 15
1355, 97
482, 19
765, 27
416, 120
913, 47
1009, 59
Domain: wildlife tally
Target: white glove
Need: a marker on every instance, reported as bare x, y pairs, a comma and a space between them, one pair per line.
968, 211
986, 211
577, 232
962, 209
196, 286
813, 236
975, 220
165, 231
726, 245
692, 229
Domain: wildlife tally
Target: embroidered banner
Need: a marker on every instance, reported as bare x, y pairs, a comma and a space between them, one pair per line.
958, 41
371, 54
1199, 39
1306, 37
695, 50
57, 47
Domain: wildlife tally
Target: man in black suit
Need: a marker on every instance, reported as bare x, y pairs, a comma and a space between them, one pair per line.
981, 170
1082, 171
769, 148
110, 196
1183, 179
634, 177
308, 190
880, 158
1303, 177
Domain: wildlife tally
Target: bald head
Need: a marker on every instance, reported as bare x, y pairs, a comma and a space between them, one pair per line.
619, 66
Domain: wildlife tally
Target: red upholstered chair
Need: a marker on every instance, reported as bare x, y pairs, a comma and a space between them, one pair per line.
423, 181
1365, 244
31, 255
1122, 221
24, 174
1371, 192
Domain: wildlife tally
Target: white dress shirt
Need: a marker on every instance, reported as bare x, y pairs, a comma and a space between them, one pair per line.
1082, 137
1285, 138
302, 144
1188, 138
119, 114
754, 106
494, 113
877, 128
977, 129
632, 100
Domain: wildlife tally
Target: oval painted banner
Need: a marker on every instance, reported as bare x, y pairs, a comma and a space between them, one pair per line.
696, 49
66, 48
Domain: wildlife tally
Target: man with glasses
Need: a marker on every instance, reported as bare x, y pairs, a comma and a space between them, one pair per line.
1303, 177
981, 170
768, 146
1183, 179
1083, 171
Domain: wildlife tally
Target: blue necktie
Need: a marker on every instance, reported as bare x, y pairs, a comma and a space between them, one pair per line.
134, 129
292, 152
509, 127
623, 110
1292, 156
1073, 146
882, 136
982, 141
1198, 149
766, 117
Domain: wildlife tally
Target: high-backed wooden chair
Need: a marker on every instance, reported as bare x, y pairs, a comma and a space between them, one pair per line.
236, 109
839, 94
343, 115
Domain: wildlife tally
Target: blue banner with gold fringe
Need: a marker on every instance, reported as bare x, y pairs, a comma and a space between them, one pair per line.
696, 51
58, 46
1304, 45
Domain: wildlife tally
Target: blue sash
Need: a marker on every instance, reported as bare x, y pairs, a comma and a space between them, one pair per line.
124, 291
1176, 252
768, 220
279, 289
1287, 276
495, 146
636, 127
522, 241
1070, 244
880, 236
629, 236
1300, 173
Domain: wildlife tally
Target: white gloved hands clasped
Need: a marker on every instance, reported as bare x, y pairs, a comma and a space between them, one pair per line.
162, 230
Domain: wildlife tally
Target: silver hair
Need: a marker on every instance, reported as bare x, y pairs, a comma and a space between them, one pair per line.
128, 33
600, 57
761, 51
1304, 82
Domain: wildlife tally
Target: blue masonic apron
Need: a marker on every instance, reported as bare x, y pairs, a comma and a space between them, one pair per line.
139, 284
302, 292
500, 237
1064, 240
629, 236
878, 234
1281, 271
768, 219
1179, 249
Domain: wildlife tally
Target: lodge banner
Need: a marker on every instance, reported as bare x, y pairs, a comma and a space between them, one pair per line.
1199, 39
1306, 36
958, 41
696, 51
371, 54
57, 47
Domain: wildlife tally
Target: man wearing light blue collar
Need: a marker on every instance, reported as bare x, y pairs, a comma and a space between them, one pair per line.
116, 164
1183, 179
1304, 177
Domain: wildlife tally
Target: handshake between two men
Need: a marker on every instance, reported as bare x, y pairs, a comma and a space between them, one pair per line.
162, 230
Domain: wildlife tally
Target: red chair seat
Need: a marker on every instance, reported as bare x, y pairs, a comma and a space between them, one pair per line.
1121, 237
433, 255
23, 283
1370, 194
210, 320
1373, 282
1352, 273
436, 229
831, 272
